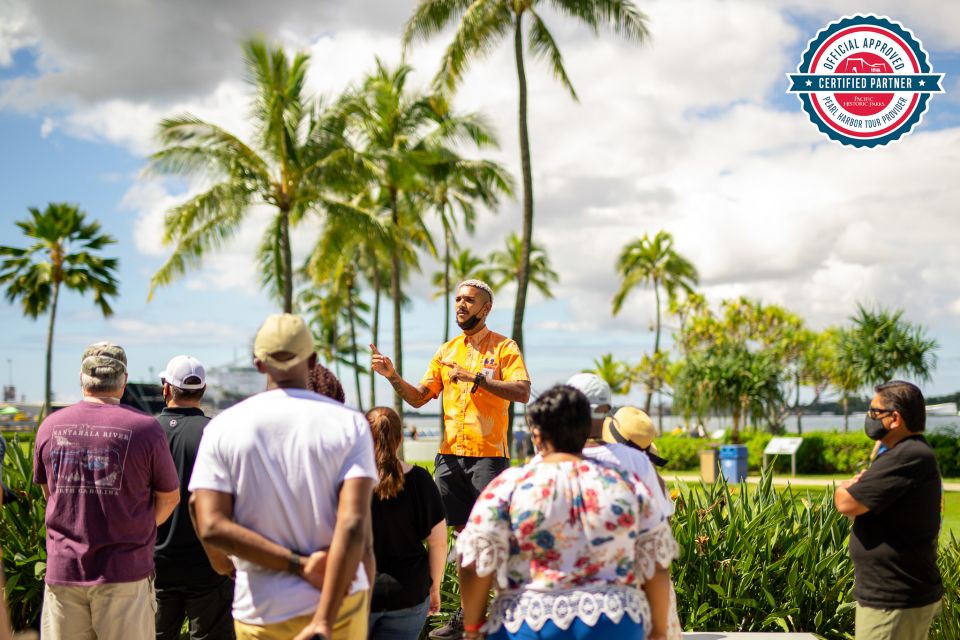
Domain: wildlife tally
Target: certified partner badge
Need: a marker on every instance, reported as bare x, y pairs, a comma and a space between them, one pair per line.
864, 80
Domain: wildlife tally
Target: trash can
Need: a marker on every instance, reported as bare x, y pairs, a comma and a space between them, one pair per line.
709, 469
733, 462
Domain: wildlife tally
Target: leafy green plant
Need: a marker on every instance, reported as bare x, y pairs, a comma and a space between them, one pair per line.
23, 536
773, 560
762, 561
947, 625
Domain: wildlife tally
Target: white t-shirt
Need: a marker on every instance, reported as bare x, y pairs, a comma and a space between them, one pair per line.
620, 455
283, 455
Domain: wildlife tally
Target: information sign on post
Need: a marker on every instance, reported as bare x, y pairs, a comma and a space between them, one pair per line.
783, 446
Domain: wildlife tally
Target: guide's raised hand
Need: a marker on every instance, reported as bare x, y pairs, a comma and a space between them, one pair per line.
381, 363
458, 373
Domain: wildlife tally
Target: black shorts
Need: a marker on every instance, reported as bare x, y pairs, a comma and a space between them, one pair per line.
461, 479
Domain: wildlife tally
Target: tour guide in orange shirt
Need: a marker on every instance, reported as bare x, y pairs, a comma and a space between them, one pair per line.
480, 373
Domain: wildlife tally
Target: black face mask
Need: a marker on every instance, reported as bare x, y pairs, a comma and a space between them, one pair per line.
469, 323
874, 428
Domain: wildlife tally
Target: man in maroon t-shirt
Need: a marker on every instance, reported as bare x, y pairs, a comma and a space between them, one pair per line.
109, 480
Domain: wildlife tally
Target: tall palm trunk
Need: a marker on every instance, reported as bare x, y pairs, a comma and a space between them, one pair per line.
47, 390
395, 292
656, 347
527, 235
446, 282
375, 324
287, 261
446, 300
353, 346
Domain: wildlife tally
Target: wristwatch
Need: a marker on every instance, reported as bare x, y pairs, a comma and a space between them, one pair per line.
477, 379
295, 564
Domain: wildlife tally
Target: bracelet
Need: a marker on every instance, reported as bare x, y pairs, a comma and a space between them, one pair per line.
473, 628
295, 564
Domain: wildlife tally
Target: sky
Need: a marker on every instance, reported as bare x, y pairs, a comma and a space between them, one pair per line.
691, 132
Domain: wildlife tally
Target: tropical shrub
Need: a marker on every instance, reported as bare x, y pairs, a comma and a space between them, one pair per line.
681, 453
771, 560
946, 444
23, 537
947, 624
762, 561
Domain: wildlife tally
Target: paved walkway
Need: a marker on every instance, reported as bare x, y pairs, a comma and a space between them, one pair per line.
782, 481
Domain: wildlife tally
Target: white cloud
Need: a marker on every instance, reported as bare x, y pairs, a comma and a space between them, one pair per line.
680, 134
16, 29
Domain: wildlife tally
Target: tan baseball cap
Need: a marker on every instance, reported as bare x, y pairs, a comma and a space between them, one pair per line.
283, 333
634, 428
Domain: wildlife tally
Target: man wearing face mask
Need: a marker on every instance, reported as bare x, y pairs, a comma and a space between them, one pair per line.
896, 510
479, 374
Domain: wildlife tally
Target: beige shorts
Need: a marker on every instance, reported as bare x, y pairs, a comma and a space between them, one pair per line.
351, 623
115, 611
895, 624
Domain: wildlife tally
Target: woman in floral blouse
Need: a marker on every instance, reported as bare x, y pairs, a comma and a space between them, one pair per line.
579, 549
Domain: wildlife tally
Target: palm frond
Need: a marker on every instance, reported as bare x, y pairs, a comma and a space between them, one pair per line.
481, 27
542, 45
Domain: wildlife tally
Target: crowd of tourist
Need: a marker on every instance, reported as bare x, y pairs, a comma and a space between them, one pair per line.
291, 515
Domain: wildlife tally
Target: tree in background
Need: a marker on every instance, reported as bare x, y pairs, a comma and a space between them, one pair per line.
396, 136
63, 253
457, 185
297, 155
481, 24
653, 262
879, 346
614, 372
504, 266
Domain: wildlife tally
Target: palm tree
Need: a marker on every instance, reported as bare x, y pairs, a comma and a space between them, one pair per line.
398, 135
615, 373
653, 261
482, 24
297, 152
456, 184
506, 266
879, 346
64, 253
331, 300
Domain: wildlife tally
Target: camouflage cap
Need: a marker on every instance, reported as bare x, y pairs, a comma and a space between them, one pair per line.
103, 360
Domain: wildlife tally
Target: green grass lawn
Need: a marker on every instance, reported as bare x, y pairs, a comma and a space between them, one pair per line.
951, 503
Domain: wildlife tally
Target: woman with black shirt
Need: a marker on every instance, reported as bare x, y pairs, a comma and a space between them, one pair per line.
406, 511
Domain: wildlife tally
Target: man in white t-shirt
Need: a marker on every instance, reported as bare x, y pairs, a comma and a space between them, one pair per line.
616, 454
282, 484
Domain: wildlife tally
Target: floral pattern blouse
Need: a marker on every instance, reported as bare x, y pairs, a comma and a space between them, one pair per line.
567, 540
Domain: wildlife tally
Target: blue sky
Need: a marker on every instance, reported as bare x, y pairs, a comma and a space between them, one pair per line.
707, 146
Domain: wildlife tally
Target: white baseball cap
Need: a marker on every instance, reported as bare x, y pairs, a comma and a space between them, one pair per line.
597, 391
183, 368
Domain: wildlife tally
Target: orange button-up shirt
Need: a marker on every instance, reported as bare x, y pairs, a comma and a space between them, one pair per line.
475, 424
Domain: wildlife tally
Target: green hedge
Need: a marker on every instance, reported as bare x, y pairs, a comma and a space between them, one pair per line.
820, 453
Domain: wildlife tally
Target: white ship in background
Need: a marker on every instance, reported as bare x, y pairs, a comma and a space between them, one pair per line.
229, 384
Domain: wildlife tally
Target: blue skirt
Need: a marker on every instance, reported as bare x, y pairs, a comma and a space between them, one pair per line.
605, 628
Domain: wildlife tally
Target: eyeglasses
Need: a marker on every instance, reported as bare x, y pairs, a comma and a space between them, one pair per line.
878, 412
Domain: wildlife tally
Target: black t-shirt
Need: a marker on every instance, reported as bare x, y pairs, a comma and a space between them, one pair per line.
400, 525
179, 556
894, 544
